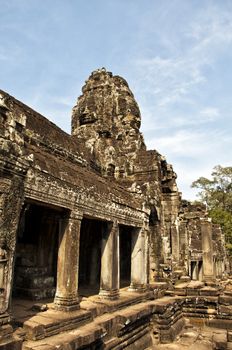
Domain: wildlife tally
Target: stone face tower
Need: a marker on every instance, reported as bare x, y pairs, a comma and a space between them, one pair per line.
107, 119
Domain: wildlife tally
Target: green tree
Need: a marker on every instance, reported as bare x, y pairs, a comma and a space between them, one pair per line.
216, 193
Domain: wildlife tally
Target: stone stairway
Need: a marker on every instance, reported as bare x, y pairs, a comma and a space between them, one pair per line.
136, 321
106, 324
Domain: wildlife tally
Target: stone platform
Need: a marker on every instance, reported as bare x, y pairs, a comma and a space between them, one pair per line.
136, 321
124, 323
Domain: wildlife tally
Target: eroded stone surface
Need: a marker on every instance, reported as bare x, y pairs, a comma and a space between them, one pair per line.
198, 338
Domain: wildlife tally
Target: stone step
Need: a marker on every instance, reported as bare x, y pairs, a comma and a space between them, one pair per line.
52, 322
85, 335
220, 340
108, 330
112, 326
11, 344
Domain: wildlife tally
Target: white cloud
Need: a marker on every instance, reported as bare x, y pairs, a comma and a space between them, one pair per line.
193, 154
171, 78
178, 103
151, 120
187, 173
182, 143
3, 57
209, 114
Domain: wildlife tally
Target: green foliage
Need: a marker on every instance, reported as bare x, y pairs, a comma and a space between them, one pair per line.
216, 193
224, 218
229, 248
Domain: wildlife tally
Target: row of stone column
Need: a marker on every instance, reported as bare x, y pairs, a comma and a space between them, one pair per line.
66, 297
180, 241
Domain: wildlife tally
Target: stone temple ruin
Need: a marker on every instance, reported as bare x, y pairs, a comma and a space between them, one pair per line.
97, 248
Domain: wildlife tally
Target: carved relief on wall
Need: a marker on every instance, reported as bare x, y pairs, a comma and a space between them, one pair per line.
3, 272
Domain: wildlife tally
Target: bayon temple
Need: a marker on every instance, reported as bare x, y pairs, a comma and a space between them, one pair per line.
98, 250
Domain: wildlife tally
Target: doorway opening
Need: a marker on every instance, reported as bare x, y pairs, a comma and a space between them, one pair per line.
194, 272
125, 246
90, 256
36, 252
200, 270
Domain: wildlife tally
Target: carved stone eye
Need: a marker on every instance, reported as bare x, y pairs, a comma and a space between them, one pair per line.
110, 169
87, 118
81, 110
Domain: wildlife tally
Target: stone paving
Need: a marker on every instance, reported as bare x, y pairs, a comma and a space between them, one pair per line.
194, 338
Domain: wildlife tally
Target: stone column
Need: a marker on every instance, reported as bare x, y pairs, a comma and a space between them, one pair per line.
207, 250
138, 260
155, 251
175, 244
11, 200
66, 298
184, 246
220, 262
4, 271
109, 288
147, 260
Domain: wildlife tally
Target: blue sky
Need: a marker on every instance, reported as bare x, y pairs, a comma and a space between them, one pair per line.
175, 54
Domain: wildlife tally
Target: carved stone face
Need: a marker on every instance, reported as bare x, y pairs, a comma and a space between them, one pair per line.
86, 110
106, 100
87, 117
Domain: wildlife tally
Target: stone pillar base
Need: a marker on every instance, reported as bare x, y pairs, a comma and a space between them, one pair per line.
139, 288
4, 319
13, 344
211, 282
109, 294
7, 341
66, 304
6, 332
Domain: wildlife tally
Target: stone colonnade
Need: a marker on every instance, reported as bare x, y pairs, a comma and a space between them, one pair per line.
66, 297
205, 267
